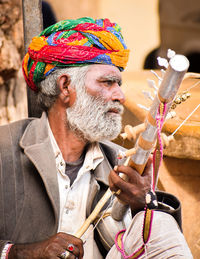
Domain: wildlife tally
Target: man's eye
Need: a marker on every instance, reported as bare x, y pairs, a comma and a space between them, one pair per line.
109, 82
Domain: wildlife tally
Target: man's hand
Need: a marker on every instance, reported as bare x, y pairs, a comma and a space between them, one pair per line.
132, 192
51, 248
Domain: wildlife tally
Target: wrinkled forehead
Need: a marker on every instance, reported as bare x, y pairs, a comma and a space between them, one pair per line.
103, 71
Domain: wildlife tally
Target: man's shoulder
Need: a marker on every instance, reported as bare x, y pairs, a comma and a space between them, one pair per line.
16, 124
13, 130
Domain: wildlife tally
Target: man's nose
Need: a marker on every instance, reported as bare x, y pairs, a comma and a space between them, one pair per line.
118, 95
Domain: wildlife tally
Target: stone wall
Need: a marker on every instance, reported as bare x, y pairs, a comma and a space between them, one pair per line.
12, 86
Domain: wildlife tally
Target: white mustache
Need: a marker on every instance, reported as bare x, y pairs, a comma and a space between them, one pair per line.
114, 106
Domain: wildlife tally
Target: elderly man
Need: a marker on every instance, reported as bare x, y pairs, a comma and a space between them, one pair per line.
53, 169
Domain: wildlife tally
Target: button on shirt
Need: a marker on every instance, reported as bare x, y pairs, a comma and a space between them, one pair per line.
73, 199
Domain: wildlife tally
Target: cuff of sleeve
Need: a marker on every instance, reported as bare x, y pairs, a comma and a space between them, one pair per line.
5, 251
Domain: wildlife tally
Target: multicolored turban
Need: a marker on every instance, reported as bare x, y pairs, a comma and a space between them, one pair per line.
74, 43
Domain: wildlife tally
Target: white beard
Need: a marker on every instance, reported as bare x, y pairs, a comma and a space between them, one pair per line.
89, 117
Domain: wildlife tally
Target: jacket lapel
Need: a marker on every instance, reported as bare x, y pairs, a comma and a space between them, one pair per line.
37, 146
100, 174
102, 171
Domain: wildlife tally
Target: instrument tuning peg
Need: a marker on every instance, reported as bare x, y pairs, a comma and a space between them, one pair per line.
143, 107
162, 62
171, 53
131, 132
166, 139
152, 84
171, 115
127, 153
148, 95
159, 78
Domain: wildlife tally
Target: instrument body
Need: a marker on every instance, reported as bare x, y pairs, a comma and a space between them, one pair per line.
108, 227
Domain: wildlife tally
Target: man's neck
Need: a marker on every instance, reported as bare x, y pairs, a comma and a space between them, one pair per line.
69, 144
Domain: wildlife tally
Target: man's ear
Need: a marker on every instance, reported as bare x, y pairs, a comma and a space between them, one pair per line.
67, 92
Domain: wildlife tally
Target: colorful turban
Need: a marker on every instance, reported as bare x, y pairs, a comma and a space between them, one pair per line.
74, 43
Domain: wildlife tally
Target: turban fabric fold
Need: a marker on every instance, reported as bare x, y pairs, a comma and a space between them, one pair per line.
74, 43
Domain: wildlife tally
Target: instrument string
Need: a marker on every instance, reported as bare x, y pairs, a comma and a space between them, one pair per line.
185, 120
194, 85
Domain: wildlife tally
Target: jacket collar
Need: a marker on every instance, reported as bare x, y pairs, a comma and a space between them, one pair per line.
36, 143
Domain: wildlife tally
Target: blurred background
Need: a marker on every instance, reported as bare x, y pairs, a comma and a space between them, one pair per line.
139, 21
150, 27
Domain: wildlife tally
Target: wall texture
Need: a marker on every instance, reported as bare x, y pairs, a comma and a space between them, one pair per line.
12, 87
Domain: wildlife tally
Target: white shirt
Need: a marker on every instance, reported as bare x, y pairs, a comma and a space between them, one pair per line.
73, 199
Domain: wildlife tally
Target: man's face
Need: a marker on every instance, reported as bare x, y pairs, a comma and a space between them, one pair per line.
96, 113
104, 81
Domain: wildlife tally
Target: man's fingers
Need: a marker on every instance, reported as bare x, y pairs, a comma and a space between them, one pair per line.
112, 181
115, 181
73, 249
79, 245
76, 248
65, 254
148, 170
131, 174
72, 244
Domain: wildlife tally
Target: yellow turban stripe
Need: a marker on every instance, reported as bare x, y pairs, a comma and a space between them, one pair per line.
38, 43
74, 43
108, 40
